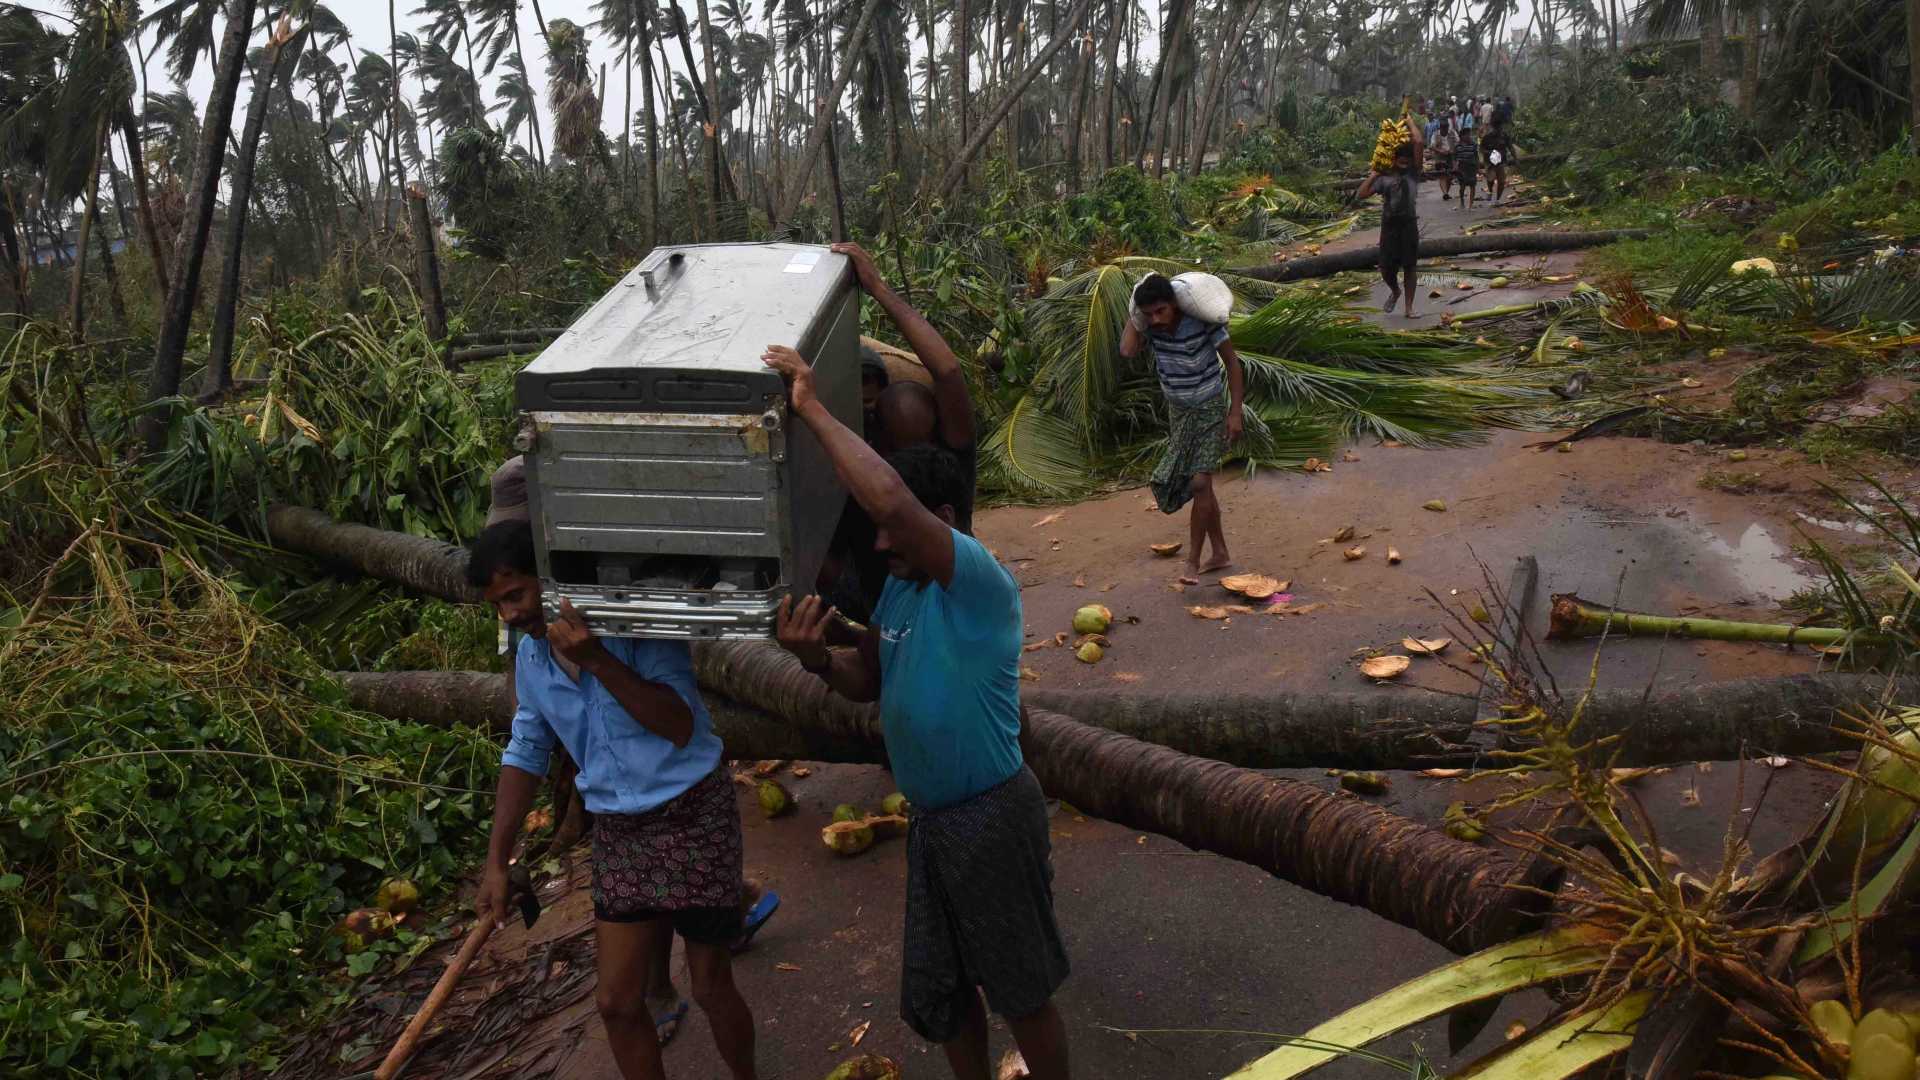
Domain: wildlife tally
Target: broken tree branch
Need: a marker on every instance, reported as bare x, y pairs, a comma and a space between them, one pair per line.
1314, 266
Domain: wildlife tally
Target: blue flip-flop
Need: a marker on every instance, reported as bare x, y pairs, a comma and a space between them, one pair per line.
675, 1016
762, 911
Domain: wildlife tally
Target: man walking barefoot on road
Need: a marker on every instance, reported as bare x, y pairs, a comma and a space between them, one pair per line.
942, 657
667, 848
1205, 412
1399, 193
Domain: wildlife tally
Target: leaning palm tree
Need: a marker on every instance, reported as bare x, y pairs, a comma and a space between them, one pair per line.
171, 343
517, 96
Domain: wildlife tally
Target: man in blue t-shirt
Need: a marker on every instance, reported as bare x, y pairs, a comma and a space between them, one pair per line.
942, 657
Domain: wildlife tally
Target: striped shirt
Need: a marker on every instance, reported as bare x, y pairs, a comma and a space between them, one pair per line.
1188, 360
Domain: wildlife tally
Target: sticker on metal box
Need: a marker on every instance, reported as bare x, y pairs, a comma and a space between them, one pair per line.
802, 262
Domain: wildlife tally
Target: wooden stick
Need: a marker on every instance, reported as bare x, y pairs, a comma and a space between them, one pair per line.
442, 990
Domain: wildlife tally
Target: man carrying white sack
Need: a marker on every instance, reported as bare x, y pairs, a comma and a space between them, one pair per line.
1201, 375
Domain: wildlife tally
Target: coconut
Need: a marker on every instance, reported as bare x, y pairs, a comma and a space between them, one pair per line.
1089, 652
1354, 554
1438, 506
847, 837
866, 1067
847, 812
774, 799
1883, 1022
363, 926
1165, 551
1384, 667
894, 804
1497, 283
397, 895
1092, 619
1833, 1019
1425, 646
1881, 1057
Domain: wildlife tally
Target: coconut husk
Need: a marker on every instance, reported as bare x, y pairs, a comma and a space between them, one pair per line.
1253, 586
1385, 667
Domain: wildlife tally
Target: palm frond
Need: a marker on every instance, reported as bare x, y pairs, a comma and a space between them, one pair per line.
1035, 453
1306, 326
1076, 329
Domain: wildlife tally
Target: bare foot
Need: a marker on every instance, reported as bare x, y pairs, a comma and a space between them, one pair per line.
1186, 579
1392, 299
1217, 563
1412, 314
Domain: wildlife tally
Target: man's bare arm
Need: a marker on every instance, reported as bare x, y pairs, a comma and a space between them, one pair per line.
919, 537
949, 382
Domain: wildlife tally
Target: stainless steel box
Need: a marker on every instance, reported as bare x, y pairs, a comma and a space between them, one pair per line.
672, 495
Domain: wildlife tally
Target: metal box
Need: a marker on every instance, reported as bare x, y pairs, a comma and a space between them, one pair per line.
671, 494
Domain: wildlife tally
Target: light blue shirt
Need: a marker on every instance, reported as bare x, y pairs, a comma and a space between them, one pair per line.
950, 679
624, 768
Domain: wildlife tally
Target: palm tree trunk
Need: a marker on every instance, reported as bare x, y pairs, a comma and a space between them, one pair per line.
227, 301
1108, 122
1168, 94
1750, 63
1009, 99
1144, 125
115, 297
1226, 54
651, 132
190, 254
1713, 36
1081, 82
1913, 65
77, 292
709, 103
626, 118
963, 67
533, 113
824, 110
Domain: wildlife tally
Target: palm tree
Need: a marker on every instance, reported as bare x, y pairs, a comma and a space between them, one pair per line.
497, 25
170, 347
447, 22
281, 54
570, 93
521, 102
621, 20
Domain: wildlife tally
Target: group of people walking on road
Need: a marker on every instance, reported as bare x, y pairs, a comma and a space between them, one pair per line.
1453, 140
1461, 136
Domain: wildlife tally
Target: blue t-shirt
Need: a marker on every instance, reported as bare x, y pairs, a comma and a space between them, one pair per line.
950, 679
624, 768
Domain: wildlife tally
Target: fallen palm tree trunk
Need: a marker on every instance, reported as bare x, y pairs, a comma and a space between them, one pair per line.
1573, 617
1314, 266
1369, 729
433, 567
501, 337
1328, 842
1384, 729
480, 699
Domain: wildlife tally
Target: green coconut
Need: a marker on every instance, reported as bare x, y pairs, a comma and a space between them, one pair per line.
1092, 619
1364, 783
397, 895
894, 804
1833, 1020
1881, 1057
847, 812
1089, 652
1884, 1022
774, 799
847, 838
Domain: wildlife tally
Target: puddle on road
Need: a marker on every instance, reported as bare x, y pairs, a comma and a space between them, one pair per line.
1837, 526
1758, 561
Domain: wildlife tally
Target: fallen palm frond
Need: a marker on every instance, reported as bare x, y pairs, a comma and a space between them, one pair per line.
1577, 618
